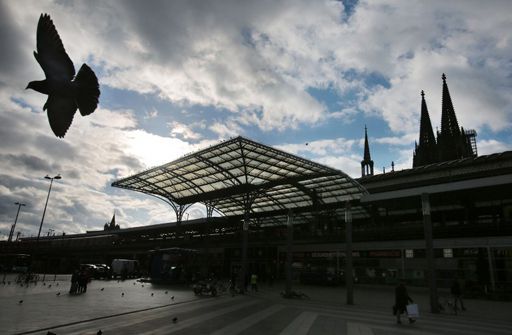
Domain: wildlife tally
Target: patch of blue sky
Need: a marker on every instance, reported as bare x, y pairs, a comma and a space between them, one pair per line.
152, 113
23, 104
350, 6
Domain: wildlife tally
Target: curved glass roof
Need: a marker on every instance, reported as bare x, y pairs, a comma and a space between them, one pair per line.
240, 174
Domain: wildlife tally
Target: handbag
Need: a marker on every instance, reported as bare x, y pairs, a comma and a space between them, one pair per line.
412, 311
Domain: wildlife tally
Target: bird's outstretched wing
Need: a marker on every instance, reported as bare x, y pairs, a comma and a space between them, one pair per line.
51, 54
60, 113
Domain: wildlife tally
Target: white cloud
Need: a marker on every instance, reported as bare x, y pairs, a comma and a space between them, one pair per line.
487, 147
254, 62
182, 130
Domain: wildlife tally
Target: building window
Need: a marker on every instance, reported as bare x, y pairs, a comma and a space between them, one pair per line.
409, 253
448, 253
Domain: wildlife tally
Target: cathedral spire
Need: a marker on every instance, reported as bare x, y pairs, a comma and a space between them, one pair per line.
453, 142
426, 133
449, 124
426, 150
367, 156
366, 163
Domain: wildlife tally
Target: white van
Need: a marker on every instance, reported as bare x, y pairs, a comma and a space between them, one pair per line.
125, 268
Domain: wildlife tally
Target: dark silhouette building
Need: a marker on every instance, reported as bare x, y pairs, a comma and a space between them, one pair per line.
452, 142
112, 225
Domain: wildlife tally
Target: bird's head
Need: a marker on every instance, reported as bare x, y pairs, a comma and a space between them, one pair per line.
39, 86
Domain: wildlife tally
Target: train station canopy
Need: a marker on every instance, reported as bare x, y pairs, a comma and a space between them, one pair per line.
239, 175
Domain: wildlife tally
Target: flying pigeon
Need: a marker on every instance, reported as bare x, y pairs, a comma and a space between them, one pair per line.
20, 302
66, 91
58, 293
175, 319
99, 332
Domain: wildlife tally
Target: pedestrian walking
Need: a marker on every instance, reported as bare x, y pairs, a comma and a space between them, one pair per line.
74, 282
457, 295
254, 282
402, 298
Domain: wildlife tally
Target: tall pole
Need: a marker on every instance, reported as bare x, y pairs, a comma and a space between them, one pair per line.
429, 250
349, 280
46, 204
15, 220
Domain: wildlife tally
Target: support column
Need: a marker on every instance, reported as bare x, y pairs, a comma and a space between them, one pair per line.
349, 279
429, 251
402, 254
245, 232
491, 269
289, 254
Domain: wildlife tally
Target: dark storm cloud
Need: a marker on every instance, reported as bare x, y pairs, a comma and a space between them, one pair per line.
56, 148
11, 132
170, 29
10, 37
31, 163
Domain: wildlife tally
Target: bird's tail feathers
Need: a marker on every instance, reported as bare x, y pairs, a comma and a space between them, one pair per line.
88, 90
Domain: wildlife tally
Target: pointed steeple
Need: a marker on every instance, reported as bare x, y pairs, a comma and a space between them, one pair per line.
449, 124
366, 156
366, 163
426, 133
426, 151
453, 142
113, 221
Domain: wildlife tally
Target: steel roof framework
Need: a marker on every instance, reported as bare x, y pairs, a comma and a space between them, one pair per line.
239, 176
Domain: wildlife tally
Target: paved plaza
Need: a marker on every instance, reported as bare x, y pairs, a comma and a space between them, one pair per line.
132, 307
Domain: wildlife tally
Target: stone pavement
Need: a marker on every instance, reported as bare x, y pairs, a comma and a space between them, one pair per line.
149, 310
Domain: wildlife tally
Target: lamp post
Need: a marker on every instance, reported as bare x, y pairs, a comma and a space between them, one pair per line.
48, 197
15, 220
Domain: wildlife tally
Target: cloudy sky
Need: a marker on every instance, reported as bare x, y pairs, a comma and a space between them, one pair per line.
177, 76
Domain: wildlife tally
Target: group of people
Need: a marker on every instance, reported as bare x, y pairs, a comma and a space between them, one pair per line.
402, 299
79, 280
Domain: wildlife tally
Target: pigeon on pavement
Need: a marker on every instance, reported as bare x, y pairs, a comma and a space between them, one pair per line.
66, 92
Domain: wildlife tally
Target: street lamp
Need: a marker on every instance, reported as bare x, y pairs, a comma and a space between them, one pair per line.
15, 220
48, 197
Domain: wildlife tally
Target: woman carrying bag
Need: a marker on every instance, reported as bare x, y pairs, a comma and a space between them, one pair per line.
401, 300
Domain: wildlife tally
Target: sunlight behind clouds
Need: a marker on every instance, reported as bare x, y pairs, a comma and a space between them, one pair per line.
155, 150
